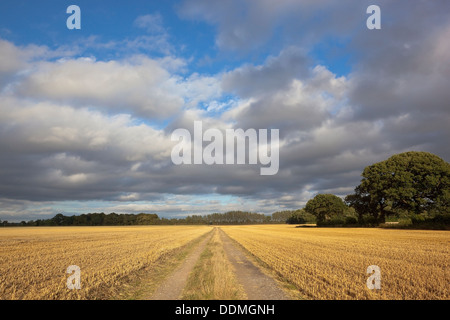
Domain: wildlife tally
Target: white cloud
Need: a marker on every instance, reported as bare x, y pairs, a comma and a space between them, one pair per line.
141, 86
12, 57
152, 23
144, 87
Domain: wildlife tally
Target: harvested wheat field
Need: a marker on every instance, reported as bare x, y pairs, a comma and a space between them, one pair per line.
310, 263
34, 260
331, 263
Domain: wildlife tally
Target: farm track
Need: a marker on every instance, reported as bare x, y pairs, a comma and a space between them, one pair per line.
257, 285
172, 287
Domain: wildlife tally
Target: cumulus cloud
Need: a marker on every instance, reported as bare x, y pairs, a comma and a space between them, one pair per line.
54, 151
12, 58
16, 60
246, 25
141, 85
285, 93
275, 74
148, 88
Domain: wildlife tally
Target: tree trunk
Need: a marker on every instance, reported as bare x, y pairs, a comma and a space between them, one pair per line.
382, 216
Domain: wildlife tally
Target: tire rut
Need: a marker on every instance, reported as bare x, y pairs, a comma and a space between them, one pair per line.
257, 285
172, 287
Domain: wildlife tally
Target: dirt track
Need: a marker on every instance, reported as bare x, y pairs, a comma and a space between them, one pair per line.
257, 285
173, 286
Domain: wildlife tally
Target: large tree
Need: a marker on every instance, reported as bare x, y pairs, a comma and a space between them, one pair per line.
325, 206
415, 182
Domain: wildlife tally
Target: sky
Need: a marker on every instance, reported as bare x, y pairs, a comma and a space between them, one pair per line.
86, 115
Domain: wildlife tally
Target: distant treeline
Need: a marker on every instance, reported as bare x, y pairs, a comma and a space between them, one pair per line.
123, 219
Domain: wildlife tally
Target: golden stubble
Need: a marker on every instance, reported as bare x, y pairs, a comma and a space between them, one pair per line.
34, 260
331, 263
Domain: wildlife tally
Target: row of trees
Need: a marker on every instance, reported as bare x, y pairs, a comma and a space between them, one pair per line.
115, 219
230, 217
415, 184
94, 219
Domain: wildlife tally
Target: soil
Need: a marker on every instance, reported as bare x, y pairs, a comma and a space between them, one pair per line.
257, 284
172, 287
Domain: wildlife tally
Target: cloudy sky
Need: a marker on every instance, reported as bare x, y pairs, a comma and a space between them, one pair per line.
86, 116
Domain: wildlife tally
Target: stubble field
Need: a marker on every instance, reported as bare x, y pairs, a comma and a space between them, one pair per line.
331, 263
33, 261
316, 263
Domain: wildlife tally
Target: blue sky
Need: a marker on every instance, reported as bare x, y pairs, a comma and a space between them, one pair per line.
86, 115
43, 23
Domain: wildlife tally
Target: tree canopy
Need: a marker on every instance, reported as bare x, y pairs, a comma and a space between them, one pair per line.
325, 207
414, 182
300, 217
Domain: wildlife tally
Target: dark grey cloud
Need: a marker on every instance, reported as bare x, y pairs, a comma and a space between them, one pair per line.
275, 74
249, 25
